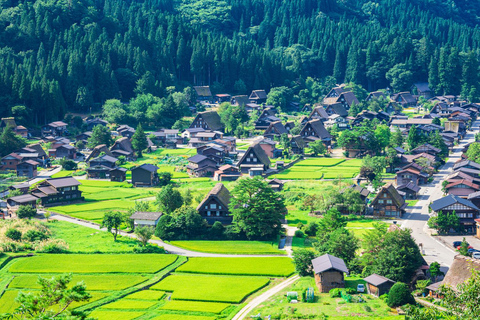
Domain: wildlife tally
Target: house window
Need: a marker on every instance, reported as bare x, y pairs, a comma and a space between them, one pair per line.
213, 206
389, 201
220, 207
248, 159
209, 213
380, 201
384, 195
254, 159
206, 207
218, 213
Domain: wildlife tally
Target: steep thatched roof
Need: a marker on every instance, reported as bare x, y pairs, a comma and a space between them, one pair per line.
220, 193
203, 91
259, 153
396, 197
460, 271
212, 119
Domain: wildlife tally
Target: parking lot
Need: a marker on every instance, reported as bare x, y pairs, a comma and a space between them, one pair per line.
472, 240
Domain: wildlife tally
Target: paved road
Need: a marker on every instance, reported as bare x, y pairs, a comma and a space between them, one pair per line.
171, 249
44, 174
416, 218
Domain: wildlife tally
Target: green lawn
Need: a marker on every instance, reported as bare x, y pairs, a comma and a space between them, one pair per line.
84, 263
274, 266
195, 306
333, 308
231, 289
231, 247
411, 203
63, 173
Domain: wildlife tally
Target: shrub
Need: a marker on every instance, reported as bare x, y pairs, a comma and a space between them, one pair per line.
350, 290
299, 234
367, 308
311, 229
14, 234
52, 246
68, 164
149, 249
26, 212
384, 296
34, 235
399, 295
335, 293
300, 226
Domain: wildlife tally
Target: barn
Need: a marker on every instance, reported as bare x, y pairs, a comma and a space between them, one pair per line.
329, 272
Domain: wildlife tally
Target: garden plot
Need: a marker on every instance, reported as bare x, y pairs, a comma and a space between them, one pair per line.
85, 263
195, 306
276, 267
210, 288
231, 247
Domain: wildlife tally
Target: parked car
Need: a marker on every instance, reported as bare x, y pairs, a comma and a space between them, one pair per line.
472, 250
361, 288
457, 244
476, 255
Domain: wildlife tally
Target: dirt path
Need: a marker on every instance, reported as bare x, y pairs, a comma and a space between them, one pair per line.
263, 297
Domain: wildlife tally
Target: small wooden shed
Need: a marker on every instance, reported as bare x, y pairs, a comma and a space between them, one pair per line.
378, 285
329, 272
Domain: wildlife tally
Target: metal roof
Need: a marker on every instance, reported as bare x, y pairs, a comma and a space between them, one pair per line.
328, 262
153, 216
377, 280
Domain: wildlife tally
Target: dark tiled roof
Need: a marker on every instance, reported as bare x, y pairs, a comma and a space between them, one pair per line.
24, 198
465, 163
328, 262
377, 280
148, 167
63, 182
364, 192
410, 186
197, 158
444, 202
152, 216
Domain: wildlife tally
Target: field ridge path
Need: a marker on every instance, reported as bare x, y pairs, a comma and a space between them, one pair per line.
263, 297
171, 249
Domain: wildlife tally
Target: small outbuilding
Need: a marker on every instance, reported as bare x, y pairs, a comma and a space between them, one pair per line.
142, 219
378, 285
329, 272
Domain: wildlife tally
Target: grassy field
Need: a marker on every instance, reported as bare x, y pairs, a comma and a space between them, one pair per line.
115, 315
318, 168
84, 263
87, 240
213, 288
129, 304
146, 295
231, 247
195, 306
333, 308
275, 266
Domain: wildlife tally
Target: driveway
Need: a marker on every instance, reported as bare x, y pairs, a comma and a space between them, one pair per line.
416, 217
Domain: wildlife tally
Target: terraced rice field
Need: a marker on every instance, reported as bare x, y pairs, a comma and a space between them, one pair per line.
321, 168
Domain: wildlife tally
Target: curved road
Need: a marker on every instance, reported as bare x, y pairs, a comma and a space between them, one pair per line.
416, 217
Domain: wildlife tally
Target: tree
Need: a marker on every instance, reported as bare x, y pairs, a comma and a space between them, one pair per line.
257, 209
339, 243
397, 256
52, 300
14, 234
396, 138
446, 221
100, 135
310, 201
112, 220
181, 125
473, 152
232, 116
382, 133
68, 164
317, 147
280, 97
9, 141
302, 259
413, 138
435, 270
26, 212
399, 295
144, 234
169, 199
463, 250
184, 224
373, 167
139, 140
164, 178
114, 111
400, 77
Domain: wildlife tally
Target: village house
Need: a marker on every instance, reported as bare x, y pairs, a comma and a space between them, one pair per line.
422, 89
97, 151
461, 188
203, 93
336, 108
57, 128
276, 184
270, 148
22, 200
427, 148
254, 158
145, 175
10, 122
408, 191
99, 168
411, 173
333, 95
57, 191
63, 151
378, 285
145, 219
318, 113
466, 211
27, 169
405, 99
214, 207
118, 174
275, 129
92, 123
222, 97
239, 100
10, 161
201, 166
84, 136
213, 152
329, 272
388, 202
405, 124
208, 120
375, 95
226, 173
297, 145
315, 130
258, 96
123, 147
167, 137
126, 131
265, 118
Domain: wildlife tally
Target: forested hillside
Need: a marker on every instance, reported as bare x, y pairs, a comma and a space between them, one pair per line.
59, 55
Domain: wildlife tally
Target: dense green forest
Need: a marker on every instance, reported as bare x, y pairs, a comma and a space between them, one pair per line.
59, 55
